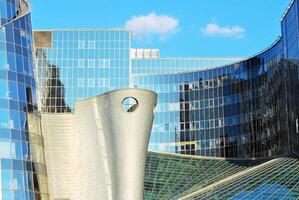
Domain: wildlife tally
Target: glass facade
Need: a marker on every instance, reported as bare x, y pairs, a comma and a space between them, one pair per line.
176, 65
206, 107
241, 110
78, 64
246, 109
22, 166
290, 31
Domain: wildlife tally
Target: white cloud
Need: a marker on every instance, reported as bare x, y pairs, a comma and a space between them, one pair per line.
145, 26
214, 29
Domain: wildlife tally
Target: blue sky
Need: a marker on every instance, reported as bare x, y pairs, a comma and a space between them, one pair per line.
184, 28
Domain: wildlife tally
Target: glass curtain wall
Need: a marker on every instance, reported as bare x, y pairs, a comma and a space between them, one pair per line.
245, 109
22, 165
77, 64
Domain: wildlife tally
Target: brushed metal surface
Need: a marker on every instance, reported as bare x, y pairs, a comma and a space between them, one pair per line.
99, 151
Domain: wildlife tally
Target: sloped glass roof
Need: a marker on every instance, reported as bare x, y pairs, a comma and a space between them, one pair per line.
171, 176
168, 176
277, 179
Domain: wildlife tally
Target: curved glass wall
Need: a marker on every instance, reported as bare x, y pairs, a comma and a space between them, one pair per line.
22, 165
177, 65
246, 109
237, 110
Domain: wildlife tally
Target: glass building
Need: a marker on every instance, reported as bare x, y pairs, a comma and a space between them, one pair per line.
22, 166
206, 106
245, 109
76, 64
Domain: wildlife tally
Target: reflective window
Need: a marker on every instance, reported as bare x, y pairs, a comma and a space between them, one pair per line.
6, 179
13, 90
5, 118
5, 149
4, 89
81, 44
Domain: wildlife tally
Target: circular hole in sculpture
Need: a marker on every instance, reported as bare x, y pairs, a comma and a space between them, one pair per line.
130, 104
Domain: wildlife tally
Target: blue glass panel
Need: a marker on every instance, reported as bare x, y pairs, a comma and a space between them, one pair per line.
4, 103
18, 180
4, 118
13, 90
5, 133
16, 150
18, 195
5, 148
15, 119
6, 164
6, 179
7, 194
3, 89
3, 60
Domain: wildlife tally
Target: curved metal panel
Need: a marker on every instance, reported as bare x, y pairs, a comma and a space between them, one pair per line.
99, 151
126, 135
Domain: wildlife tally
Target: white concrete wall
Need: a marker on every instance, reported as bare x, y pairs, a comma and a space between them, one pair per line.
99, 151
